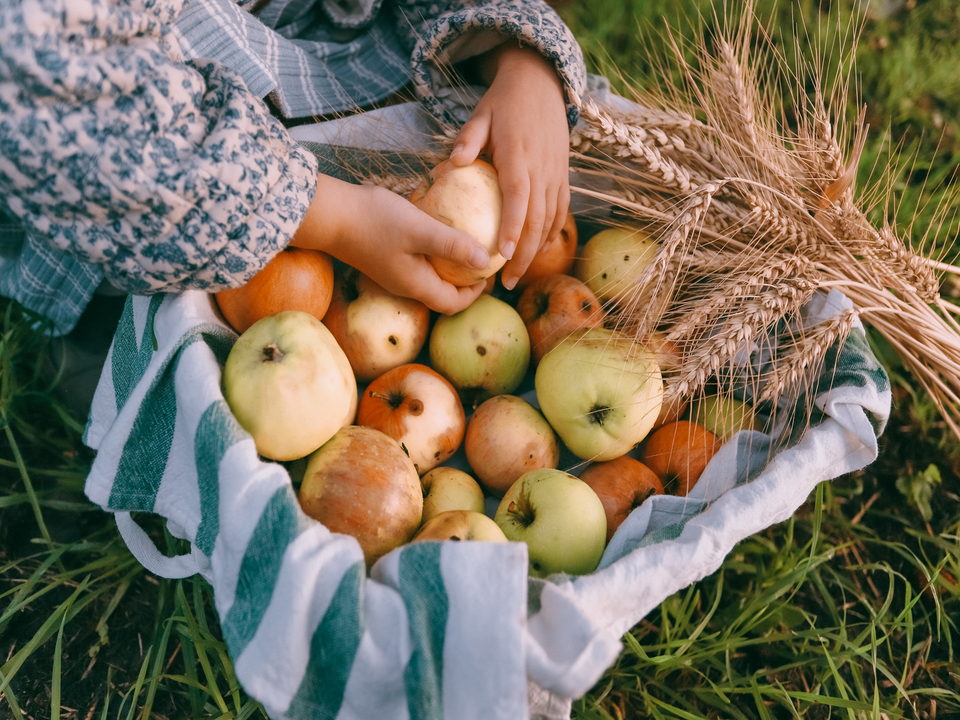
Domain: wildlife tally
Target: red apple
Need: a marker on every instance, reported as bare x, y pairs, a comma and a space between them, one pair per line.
295, 279
552, 307
622, 484
556, 256
465, 198
506, 437
361, 483
418, 408
377, 330
678, 453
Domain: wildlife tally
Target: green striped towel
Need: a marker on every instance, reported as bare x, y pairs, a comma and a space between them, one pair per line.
437, 630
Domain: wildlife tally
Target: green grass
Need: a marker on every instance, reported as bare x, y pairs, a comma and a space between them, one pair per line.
848, 610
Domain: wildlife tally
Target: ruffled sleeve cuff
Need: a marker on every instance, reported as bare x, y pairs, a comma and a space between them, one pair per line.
470, 31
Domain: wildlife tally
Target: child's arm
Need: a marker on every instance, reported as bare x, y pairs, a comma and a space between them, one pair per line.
386, 237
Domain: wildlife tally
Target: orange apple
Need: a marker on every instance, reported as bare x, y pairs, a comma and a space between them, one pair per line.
622, 484
361, 483
506, 437
418, 408
469, 199
295, 279
552, 307
555, 257
377, 330
678, 453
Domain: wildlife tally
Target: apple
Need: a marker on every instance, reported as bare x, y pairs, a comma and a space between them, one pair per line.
289, 385
418, 408
466, 198
678, 453
723, 415
377, 330
294, 279
601, 391
447, 488
361, 483
555, 257
622, 484
460, 525
559, 517
506, 437
484, 350
612, 259
553, 306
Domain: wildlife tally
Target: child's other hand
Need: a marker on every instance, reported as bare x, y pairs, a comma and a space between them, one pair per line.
387, 238
521, 123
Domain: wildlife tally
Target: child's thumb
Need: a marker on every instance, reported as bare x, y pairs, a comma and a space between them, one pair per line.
470, 141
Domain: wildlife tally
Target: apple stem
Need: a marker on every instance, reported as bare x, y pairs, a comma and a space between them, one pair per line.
521, 510
272, 353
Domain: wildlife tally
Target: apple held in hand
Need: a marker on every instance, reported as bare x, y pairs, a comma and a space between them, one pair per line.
556, 257
418, 408
361, 483
466, 198
601, 391
622, 484
460, 525
294, 279
559, 517
552, 307
506, 437
289, 385
483, 350
612, 259
446, 488
377, 330
678, 454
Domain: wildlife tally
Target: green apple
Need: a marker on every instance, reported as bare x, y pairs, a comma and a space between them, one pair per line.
601, 391
447, 488
289, 384
484, 350
460, 525
559, 517
612, 259
723, 415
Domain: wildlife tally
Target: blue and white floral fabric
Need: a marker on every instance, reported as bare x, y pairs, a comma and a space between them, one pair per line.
135, 145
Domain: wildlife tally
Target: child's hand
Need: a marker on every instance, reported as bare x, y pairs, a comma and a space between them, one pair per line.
386, 237
521, 123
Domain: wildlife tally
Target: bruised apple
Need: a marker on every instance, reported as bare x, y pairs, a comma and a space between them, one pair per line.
678, 453
377, 330
361, 483
484, 350
555, 257
460, 525
289, 385
466, 198
612, 259
552, 307
295, 279
418, 408
506, 437
622, 484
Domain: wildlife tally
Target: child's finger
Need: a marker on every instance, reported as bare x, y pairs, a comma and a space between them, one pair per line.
471, 139
442, 241
446, 298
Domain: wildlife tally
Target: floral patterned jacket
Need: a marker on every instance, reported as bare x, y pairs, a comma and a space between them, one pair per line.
135, 145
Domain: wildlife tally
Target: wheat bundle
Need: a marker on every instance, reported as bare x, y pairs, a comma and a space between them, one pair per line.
752, 218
